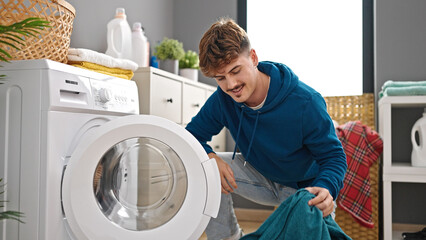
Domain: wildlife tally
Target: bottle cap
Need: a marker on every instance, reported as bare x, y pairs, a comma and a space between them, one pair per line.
120, 13
137, 26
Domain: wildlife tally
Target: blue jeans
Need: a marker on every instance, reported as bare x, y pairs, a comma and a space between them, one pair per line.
251, 185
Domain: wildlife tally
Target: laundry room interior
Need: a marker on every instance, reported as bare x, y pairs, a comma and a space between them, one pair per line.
95, 123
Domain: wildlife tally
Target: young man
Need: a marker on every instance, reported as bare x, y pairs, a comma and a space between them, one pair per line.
280, 125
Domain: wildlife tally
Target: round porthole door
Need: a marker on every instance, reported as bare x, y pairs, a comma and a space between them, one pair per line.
139, 177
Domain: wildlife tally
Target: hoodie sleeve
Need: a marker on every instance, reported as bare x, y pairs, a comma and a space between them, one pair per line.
208, 122
320, 138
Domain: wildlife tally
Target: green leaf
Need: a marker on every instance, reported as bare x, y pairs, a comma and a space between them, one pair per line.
17, 31
189, 60
11, 35
5, 53
13, 215
169, 49
10, 44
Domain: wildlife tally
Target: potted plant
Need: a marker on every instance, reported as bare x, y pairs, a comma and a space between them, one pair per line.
189, 65
168, 52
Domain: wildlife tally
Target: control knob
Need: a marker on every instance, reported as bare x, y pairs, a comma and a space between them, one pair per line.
105, 95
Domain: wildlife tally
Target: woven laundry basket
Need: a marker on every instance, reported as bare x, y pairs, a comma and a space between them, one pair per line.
351, 108
51, 43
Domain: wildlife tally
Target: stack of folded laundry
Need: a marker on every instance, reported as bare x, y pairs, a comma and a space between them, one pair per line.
102, 63
403, 88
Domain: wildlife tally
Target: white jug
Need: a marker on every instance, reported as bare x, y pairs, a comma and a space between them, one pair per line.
119, 36
140, 46
418, 155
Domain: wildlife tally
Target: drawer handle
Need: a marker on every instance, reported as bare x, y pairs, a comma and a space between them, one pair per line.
196, 105
170, 100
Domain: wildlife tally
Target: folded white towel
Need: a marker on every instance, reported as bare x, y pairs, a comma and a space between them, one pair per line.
87, 55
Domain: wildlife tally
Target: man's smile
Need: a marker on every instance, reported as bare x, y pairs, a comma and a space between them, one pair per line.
237, 90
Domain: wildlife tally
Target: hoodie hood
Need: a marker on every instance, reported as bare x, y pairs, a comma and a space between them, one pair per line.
283, 81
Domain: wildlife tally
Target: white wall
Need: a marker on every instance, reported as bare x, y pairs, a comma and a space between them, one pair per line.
193, 17
92, 17
400, 41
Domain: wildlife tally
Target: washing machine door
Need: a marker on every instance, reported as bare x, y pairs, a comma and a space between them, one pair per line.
139, 177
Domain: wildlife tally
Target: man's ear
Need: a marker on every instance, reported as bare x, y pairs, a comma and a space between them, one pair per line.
253, 57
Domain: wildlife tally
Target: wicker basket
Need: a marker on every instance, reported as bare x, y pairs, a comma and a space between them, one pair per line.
52, 43
351, 108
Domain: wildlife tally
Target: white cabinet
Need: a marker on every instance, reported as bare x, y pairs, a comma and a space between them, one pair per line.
192, 99
173, 97
396, 171
165, 99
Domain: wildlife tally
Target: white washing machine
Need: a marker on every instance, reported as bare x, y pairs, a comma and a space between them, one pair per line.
80, 163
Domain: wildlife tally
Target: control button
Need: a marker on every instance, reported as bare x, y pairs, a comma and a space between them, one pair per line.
105, 95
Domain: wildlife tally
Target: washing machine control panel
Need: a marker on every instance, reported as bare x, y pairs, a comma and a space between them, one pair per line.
115, 95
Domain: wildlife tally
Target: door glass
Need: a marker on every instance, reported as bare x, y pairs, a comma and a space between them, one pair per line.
140, 183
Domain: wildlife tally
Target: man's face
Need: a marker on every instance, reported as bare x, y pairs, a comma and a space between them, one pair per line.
238, 78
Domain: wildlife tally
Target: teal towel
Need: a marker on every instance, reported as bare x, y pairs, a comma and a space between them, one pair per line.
403, 88
391, 83
295, 219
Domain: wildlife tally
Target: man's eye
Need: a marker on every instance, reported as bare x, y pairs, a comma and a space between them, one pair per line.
236, 72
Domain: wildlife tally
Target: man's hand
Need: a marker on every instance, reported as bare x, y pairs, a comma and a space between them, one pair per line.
226, 174
323, 200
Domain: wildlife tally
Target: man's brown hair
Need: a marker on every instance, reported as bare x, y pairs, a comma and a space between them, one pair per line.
222, 43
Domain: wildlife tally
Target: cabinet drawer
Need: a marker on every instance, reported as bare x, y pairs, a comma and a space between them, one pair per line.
192, 100
166, 98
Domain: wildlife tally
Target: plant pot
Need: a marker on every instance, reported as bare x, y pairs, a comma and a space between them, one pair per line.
189, 73
169, 65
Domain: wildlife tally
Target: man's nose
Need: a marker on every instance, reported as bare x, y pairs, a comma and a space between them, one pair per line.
232, 82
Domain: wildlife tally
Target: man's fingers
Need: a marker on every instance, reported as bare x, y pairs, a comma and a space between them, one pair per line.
228, 181
322, 200
226, 174
326, 206
230, 177
225, 186
320, 195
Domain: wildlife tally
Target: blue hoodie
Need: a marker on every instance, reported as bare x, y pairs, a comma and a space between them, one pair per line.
291, 140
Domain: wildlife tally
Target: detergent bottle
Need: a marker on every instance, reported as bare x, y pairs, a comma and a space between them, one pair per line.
418, 155
119, 36
140, 46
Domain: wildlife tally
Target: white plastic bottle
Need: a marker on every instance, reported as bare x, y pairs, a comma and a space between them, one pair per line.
140, 46
418, 155
119, 36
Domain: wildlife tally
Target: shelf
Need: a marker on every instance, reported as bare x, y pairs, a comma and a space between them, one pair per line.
403, 101
404, 172
396, 171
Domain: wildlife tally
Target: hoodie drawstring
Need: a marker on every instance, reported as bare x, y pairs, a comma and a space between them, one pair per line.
252, 136
238, 132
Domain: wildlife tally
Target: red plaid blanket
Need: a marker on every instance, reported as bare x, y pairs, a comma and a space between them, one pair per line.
363, 147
